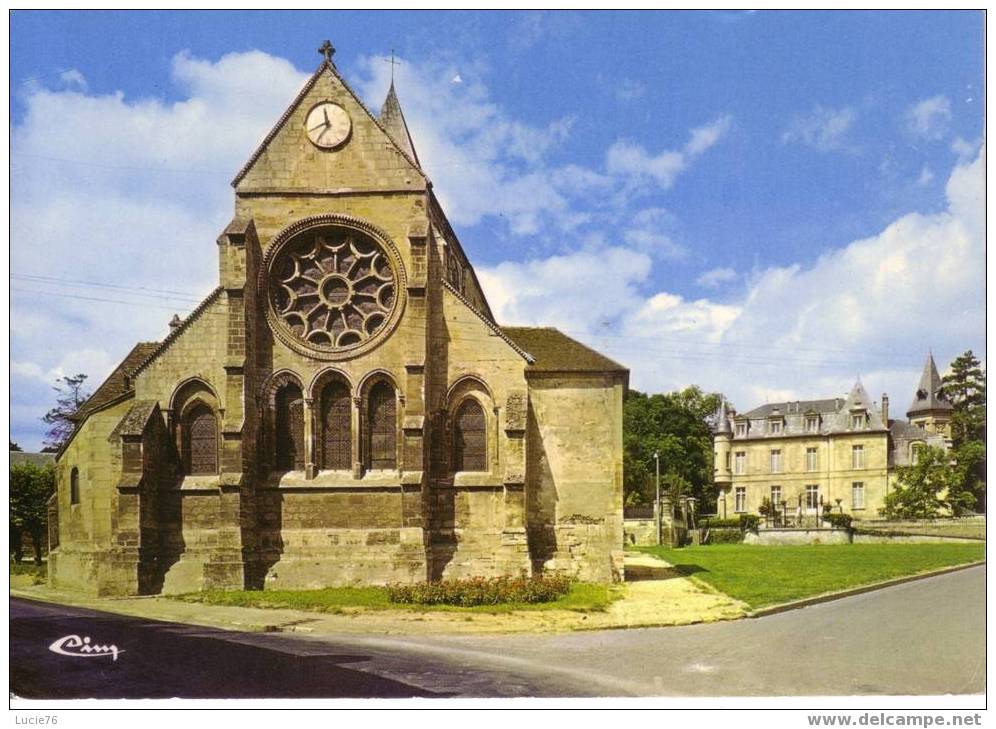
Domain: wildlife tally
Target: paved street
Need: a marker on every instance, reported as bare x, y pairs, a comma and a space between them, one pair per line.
923, 637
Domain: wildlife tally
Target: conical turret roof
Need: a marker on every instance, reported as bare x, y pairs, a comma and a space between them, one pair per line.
722, 420
393, 120
927, 398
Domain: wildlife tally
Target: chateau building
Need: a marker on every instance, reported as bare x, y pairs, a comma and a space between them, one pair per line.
839, 451
343, 406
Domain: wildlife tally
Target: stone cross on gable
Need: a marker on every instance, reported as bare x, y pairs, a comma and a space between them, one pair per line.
327, 50
393, 64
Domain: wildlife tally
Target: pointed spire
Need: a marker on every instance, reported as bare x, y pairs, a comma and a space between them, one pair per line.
393, 120
927, 397
722, 419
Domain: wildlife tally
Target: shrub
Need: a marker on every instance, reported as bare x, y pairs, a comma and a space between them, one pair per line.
482, 591
766, 508
717, 523
725, 536
839, 521
749, 522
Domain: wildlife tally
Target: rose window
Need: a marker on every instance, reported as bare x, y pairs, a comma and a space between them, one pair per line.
332, 287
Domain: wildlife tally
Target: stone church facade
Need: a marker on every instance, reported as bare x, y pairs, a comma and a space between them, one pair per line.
343, 407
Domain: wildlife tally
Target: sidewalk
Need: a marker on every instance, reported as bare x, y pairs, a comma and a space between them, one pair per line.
658, 597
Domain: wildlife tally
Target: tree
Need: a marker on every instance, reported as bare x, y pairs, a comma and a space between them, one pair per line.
677, 426
965, 388
14, 446
928, 488
71, 396
30, 488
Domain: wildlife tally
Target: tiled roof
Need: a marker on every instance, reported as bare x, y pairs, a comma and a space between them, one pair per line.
116, 383
554, 351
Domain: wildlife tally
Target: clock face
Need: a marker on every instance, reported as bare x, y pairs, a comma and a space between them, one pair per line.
327, 125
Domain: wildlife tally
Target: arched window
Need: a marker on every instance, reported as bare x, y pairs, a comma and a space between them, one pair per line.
288, 428
74, 486
382, 428
470, 441
336, 434
199, 442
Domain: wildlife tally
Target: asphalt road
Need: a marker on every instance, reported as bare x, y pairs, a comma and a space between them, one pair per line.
923, 638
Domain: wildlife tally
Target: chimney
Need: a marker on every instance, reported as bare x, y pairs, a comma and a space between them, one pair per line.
885, 410
174, 323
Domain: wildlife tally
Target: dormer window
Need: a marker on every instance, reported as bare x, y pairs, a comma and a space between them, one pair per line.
775, 427
741, 430
858, 421
812, 423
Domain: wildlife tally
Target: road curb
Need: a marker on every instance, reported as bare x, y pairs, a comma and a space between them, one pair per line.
830, 596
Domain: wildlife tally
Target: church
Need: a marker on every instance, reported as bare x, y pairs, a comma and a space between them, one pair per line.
343, 407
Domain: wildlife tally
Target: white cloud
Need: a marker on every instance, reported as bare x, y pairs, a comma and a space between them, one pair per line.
964, 150
716, 277
871, 309
628, 158
926, 177
824, 129
73, 79
929, 118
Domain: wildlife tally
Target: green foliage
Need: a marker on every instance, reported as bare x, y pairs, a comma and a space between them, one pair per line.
765, 509
716, 522
581, 597
965, 387
71, 396
676, 425
839, 521
30, 488
482, 591
725, 536
767, 575
749, 522
927, 489
14, 446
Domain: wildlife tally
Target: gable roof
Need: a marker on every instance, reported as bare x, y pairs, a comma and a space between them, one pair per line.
326, 65
176, 330
117, 383
857, 399
926, 397
554, 351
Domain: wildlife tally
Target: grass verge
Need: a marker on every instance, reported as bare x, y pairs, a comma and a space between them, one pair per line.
768, 575
583, 597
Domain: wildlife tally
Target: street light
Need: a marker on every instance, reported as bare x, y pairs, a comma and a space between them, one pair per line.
657, 468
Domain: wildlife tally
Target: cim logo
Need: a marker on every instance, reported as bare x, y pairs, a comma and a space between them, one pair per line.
73, 645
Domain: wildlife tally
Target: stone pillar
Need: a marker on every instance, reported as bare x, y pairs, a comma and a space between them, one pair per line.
309, 438
357, 424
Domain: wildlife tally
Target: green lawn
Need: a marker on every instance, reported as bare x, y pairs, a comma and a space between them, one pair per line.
767, 575
583, 597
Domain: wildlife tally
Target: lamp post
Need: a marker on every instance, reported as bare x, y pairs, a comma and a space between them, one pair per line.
657, 469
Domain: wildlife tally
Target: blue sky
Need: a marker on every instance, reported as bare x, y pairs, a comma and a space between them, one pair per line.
767, 204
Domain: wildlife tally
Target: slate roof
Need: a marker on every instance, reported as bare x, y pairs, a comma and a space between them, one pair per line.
35, 459
554, 351
926, 398
133, 422
796, 406
117, 383
393, 120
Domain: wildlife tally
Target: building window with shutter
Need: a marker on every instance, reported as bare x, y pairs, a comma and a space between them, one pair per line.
382, 434
740, 463
812, 459
857, 495
336, 428
857, 456
470, 438
740, 498
776, 461
199, 441
776, 495
812, 496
